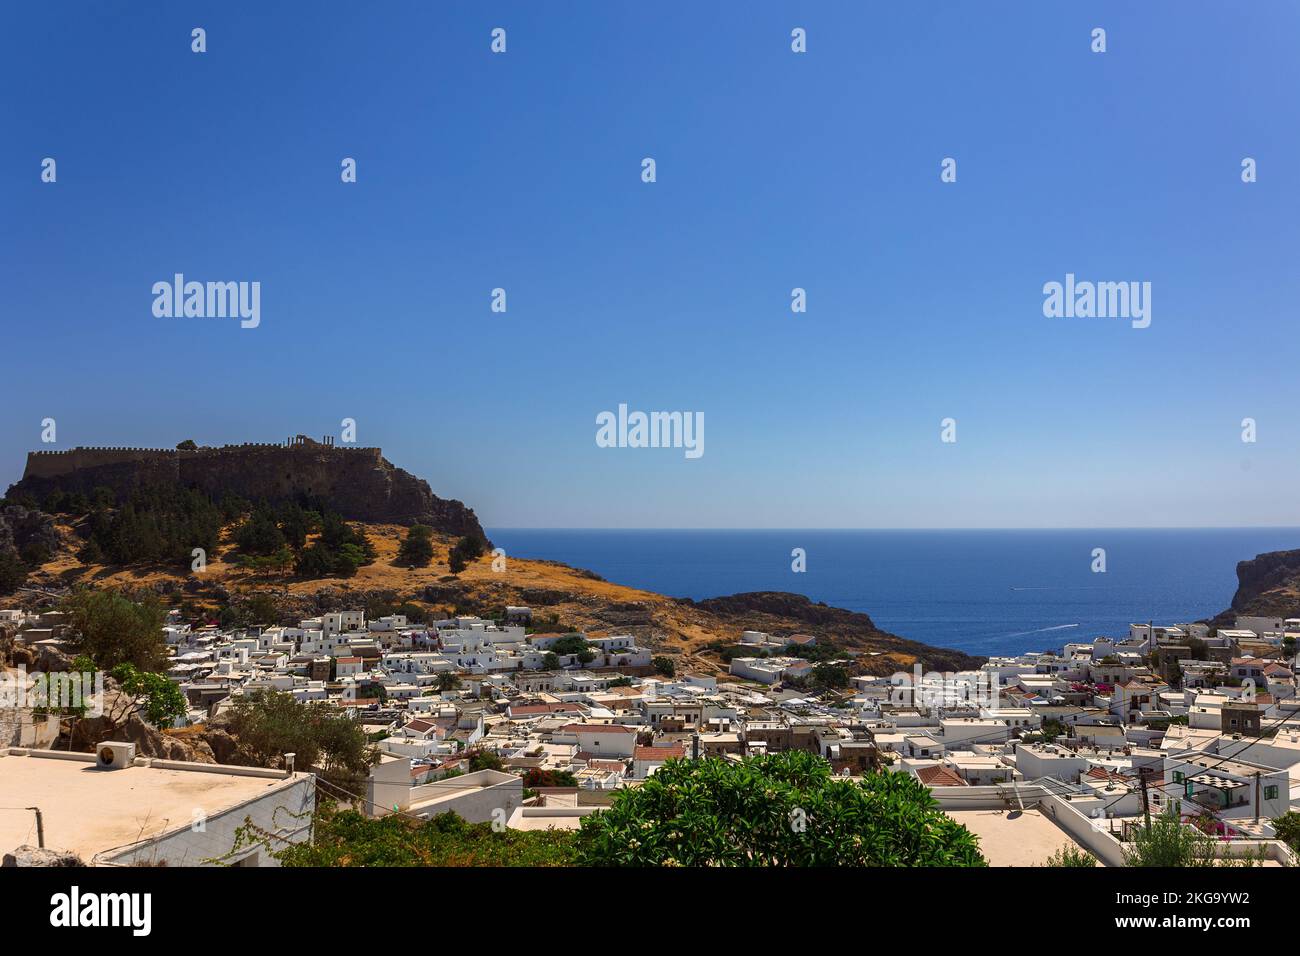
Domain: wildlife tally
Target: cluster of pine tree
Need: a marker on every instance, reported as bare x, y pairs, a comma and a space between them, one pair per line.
163, 524
465, 552
156, 524
276, 538
13, 571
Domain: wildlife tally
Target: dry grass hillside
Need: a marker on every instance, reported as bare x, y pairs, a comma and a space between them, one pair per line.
570, 597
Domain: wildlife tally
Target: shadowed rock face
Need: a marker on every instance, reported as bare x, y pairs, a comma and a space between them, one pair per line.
359, 483
20, 527
1268, 585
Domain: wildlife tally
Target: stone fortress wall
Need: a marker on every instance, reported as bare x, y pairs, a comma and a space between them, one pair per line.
356, 481
51, 464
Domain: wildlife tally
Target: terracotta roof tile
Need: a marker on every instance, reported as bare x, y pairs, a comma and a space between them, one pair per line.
658, 753
940, 776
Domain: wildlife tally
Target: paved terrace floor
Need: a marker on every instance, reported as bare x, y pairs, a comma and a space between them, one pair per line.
1014, 839
88, 810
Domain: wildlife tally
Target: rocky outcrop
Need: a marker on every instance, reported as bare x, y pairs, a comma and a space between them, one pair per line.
26, 531
37, 856
1268, 585
85, 732
779, 612
359, 483
223, 747
44, 658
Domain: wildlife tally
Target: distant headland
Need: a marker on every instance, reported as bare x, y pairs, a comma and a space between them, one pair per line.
357, 482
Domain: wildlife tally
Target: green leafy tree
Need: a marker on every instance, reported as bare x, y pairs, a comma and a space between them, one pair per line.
102, 498
294, 525
832, 676
269, 724
278, 561
1287, 827
1053, 728
341, 549
1071, 856
314, 562
570, 644
349, 559
112, 629
1168, 842
13, 573
155, 524
260, 534
233, 506
155, 697
783, 809
414, 613
472, 547
550, 661
664, 666
187, 445
417, 549
466, 551
484, 760
258, 608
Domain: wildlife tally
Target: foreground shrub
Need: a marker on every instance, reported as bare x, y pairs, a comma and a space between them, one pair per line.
782, 809
347, 838
1071, 856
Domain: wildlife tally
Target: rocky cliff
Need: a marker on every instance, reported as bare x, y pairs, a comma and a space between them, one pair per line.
359, 483
780, 612
1268, 585
22, 529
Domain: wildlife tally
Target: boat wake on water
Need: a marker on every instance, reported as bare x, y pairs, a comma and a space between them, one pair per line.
1040, 630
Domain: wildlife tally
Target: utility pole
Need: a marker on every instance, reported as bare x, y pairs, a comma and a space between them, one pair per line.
1146, 807
40, 827
1257, 796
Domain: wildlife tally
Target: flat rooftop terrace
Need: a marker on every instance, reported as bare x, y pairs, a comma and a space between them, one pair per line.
426, 797
1018, 838
88, 810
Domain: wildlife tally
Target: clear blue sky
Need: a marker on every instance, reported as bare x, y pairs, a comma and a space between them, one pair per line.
775, 170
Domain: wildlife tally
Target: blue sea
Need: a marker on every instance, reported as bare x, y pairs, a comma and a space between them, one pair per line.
984, 592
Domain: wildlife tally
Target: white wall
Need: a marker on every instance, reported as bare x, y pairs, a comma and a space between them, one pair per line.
285, 811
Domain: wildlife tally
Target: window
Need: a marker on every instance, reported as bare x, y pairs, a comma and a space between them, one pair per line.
1178, 776
1270, 792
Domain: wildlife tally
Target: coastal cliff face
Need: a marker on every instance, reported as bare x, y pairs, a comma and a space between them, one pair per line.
780, 612
1268, 585
363, 486
359, 483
